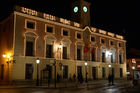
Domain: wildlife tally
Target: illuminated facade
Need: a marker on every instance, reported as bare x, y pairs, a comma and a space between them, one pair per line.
28, 35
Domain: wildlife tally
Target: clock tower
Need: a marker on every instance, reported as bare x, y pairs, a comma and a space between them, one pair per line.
81, 12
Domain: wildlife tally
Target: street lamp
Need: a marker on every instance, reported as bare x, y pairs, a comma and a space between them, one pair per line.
37, 80
133, 68
86, 72
8, 62
109, 68
4, 55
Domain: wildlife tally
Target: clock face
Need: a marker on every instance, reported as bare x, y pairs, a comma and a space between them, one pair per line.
85, 9
75, 9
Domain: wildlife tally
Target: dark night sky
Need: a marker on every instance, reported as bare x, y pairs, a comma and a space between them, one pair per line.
117, 16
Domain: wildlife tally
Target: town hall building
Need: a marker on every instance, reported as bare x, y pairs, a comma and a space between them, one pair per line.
72, 47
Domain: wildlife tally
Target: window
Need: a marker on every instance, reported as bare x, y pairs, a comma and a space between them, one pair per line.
64, 52
65, 71
29, 71
29, 48
2, 72
79, 36
121, 72
119, 44
92, 39
49, 29
112, 58
103, 72
102, 41
65, 33
103, 56
93, 54
49, 51
30, 38
111, 43
79, 54
120, 58
30, 24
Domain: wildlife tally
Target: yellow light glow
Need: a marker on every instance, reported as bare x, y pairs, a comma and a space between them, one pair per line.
4, 55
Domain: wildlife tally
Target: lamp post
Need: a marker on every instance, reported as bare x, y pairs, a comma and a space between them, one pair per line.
109, 68
133, 68
8, 61
86, 72
37, 80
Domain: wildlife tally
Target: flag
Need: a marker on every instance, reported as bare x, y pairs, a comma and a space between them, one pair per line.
86, 48
92, 51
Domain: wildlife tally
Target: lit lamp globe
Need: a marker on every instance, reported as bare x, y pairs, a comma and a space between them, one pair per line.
37, 60
133, 67
85, 63
4, 55
109, 66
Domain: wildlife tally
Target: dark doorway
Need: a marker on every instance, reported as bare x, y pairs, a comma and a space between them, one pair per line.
65, 71
29, 71
94, 73
79, 70
103, 72
2, 72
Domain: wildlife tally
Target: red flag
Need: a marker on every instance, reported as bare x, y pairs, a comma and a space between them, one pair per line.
92, 51
86, 48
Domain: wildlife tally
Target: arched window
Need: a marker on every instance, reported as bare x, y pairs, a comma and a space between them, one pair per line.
49, 46
30, 43
66, 48
79, 50
103, 54
93, 54
112, 55
120, 56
